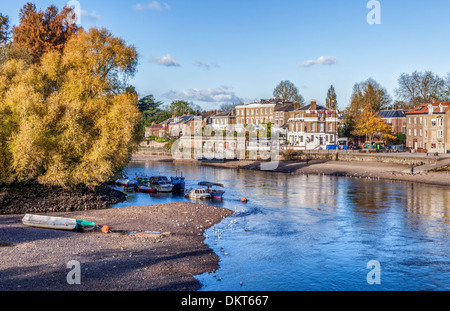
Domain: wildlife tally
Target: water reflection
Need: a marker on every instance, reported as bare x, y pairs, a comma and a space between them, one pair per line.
318, 232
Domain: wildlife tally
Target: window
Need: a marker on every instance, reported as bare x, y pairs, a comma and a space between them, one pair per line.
433, 122
409, 132
266, 110
330, 127
440, 121
415, 120
415, 132
257, 111
440, 134
426, 122
420, 132
409, 120
313, 127
271, 110
321, 127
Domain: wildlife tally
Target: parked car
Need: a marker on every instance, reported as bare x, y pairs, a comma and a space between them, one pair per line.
354, 147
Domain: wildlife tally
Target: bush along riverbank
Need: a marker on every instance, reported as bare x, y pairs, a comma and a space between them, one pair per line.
36, 198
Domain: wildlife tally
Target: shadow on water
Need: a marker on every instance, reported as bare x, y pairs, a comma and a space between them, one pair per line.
318, 232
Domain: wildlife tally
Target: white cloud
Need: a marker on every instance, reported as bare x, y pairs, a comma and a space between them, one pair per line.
93, 16
166, 60
218, 95
154, 5
206, 66
323, 60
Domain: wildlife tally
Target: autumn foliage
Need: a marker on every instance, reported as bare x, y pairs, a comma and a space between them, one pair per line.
370, 124
66, 118
41, 32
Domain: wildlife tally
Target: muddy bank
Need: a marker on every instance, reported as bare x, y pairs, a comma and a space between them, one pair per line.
156, 248
36, 198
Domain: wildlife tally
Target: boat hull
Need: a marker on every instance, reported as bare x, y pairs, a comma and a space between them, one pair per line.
146, 189
57, 223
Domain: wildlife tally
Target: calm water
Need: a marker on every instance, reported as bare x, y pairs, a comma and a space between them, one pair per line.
319, 232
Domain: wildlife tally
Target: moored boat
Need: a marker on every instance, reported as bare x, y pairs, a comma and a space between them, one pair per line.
197, 193
146, 189
178, 184
57, 223
212, 189
161, 184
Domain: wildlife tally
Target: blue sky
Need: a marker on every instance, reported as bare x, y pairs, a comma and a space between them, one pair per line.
210, 52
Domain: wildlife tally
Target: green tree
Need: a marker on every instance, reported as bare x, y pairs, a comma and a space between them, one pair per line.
331, 100
287, 91
180, 108
4, 29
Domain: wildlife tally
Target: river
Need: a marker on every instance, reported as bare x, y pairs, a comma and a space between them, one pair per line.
302, 233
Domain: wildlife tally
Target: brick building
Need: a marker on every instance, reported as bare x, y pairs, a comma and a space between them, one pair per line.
428, 128
312, 127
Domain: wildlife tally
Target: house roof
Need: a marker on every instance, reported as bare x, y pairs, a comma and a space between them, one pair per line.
288, 107
436, 107
182, 119
391, 114
224, 114
318, 107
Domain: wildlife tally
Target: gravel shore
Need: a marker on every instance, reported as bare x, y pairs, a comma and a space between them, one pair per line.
156, 248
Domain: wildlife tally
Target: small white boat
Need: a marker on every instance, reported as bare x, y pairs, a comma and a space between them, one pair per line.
58, 223
197, 193
161, 184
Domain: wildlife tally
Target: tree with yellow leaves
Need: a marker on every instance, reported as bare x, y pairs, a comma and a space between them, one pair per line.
370, 124
68, 120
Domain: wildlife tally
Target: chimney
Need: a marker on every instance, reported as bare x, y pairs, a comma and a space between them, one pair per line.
313, 105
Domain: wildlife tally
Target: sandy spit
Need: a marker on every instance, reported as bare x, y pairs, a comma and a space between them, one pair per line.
156, 248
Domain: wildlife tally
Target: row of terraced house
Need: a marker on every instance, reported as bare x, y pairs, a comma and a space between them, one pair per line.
314, 127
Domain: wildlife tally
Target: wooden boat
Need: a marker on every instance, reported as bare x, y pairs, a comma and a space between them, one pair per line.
214, 192
161, 184
57, 223
197, 193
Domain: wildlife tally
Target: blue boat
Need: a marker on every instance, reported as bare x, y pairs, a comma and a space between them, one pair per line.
178, 184
214, 192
